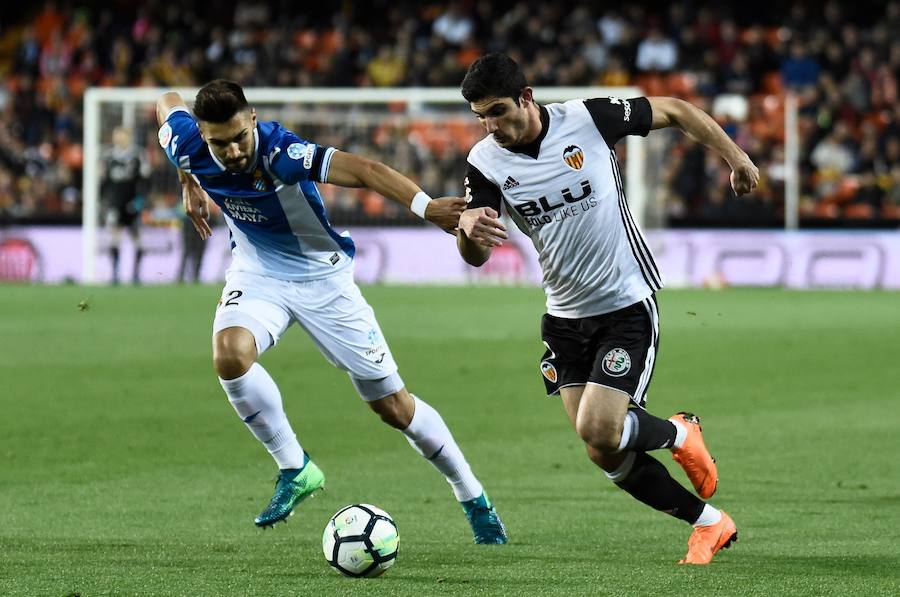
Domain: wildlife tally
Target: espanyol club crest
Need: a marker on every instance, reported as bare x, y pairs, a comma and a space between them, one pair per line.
548, 371
259, 183
616, 362
574, 157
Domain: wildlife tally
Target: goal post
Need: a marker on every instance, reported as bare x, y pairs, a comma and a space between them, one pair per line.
132, 108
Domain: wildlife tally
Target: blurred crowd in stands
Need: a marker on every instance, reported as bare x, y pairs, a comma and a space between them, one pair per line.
737, 61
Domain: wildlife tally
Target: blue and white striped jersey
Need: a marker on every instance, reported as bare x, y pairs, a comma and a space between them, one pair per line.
274, 211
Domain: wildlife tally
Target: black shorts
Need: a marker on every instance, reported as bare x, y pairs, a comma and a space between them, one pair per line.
617, 350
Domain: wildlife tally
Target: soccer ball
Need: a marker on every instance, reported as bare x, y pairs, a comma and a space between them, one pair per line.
361, 540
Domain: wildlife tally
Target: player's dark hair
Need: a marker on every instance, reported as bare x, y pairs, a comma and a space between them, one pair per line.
218, 101
494, 75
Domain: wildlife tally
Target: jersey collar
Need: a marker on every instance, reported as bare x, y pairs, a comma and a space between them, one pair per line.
532, 149
254, 159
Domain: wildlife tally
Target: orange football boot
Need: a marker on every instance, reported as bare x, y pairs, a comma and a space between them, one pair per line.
705, 542
694, 458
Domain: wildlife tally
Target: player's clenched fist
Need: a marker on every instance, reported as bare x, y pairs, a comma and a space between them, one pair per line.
744, 177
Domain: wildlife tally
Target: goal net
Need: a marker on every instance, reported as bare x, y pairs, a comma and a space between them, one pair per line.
423, 133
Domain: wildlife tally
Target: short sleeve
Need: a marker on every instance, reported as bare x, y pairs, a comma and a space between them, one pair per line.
616, 118
481, 192
179, 136
294, 160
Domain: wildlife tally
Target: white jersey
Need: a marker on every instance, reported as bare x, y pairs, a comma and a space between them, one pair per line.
564, 190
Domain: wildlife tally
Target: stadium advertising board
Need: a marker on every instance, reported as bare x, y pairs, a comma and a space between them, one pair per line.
688, 258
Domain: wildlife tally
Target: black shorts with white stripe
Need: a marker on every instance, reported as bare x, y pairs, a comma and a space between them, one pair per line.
617, 350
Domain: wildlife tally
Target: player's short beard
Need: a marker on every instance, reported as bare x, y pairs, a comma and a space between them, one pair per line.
240, 164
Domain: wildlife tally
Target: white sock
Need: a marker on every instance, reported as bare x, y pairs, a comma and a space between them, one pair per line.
680, 434
628, 428
709, 516
428, 434
257, 401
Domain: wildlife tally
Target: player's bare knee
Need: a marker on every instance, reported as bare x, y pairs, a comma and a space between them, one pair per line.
234, 352
600, 433
231, 365
395, 409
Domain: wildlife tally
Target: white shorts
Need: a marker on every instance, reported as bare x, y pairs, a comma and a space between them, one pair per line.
331, 310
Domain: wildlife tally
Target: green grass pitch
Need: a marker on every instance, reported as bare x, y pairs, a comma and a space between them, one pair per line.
124, 471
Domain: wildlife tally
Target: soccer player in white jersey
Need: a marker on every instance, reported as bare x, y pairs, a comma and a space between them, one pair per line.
289, 265
555, 169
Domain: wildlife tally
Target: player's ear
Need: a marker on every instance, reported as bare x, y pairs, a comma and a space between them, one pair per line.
527, 96
253, 116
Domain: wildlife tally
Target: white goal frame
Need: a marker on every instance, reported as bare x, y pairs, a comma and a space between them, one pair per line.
415, 99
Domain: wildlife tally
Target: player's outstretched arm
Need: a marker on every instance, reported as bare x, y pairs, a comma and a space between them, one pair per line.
350, 170
193, 197
480, 229
698, 125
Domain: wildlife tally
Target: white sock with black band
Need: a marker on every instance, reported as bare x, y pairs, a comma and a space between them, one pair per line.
429, 436
257, 401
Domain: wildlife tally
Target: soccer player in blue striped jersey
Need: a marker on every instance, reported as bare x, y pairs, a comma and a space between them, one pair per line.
555, 169
289, 265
